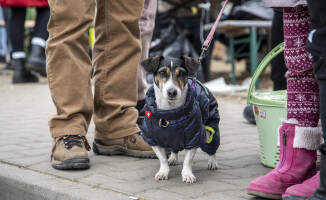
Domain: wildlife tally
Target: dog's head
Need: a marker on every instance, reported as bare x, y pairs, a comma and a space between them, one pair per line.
171, 74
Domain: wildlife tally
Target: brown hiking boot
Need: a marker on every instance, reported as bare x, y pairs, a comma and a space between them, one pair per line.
69, 152
133, 145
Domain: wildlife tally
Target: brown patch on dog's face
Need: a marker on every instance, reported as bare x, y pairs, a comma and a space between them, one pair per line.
180, 77
162, 76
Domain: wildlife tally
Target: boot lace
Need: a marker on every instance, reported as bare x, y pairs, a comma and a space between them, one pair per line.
70, 141
132, 139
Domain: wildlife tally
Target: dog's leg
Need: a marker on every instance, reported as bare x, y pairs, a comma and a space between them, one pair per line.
173, 159
187, 175
163, 173
212, 162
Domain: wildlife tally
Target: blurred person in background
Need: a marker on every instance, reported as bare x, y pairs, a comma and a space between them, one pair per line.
3, 38
36, 59
146, 26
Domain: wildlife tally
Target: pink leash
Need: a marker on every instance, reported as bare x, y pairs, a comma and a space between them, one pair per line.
211, 33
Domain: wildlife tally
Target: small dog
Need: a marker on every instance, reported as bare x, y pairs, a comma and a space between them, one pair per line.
181, 113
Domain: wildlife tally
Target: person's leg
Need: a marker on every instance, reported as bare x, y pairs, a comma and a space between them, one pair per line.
320, 193
17, 31
42, 19
320, 71
316, 47
69, 71
299, 136
116, 56
3, 39
7, 17
302, 86
36, 59
278, 64
314, 188
146, 26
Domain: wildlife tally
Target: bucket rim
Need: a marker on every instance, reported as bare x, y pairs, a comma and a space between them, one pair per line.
267, 59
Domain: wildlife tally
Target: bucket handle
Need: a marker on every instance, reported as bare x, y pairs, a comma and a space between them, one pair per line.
272, 54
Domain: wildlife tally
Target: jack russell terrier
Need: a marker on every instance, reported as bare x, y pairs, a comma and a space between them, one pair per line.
181, 113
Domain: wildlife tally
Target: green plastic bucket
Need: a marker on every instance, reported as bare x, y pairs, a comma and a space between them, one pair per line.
268, 107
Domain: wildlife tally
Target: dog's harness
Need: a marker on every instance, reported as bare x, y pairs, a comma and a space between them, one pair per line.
178, 129
184, 127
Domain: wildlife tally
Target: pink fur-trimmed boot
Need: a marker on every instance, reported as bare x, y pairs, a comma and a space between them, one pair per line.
297, 163
305, 189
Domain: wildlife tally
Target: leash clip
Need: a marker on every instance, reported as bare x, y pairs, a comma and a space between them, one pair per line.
160, 124
202, 55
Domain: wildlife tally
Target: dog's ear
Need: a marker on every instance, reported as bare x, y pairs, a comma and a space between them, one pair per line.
191, 64
151, 64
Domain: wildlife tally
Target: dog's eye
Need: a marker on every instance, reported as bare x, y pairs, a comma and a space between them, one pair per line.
162, 73
182, 74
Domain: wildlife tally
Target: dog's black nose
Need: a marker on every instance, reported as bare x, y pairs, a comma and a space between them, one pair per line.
172, 92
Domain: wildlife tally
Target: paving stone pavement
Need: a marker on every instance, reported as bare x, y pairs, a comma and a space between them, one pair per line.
25, 146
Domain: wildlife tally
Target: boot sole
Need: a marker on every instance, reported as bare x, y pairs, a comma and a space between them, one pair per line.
264, 195
116, 150
35, 66
72, 163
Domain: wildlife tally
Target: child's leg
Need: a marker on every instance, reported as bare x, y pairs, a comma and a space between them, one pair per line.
302, 86
303, 105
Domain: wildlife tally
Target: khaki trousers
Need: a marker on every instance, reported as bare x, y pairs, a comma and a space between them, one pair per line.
115, 60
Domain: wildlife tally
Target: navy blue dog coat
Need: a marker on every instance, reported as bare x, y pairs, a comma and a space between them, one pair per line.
184, 127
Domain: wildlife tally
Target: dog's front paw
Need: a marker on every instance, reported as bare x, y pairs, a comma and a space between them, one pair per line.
163, 173
161, 176
188, 177
212, 163
173, 159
